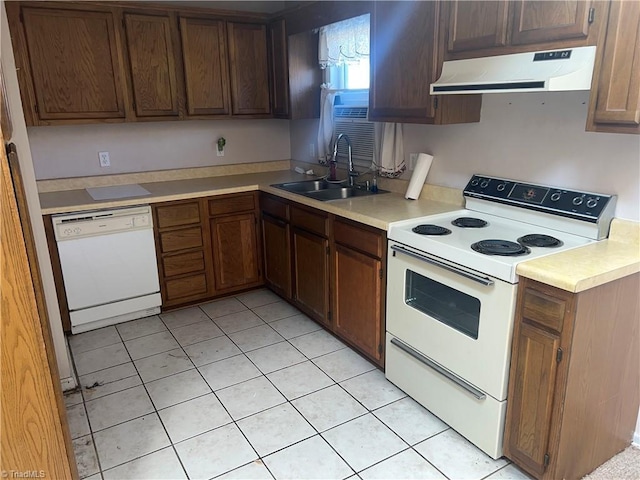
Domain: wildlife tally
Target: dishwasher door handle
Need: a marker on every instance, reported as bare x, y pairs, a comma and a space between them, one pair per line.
432, 261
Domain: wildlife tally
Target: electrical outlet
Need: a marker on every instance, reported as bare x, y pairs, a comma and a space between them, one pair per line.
220, 153
413, 158
312, 150
105, 161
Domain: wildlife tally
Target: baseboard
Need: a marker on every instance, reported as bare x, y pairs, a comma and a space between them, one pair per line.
636, 439
68, 383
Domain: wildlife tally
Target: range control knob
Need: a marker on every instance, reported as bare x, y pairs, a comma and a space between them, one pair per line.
555, 196
484, 184
578, 200
475, 182
592, 202
501, 187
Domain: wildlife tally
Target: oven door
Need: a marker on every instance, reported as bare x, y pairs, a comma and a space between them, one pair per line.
457, 318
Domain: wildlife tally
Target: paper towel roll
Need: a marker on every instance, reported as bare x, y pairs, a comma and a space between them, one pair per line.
420, 171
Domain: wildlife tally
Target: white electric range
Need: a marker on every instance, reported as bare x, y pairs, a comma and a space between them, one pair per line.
452, 287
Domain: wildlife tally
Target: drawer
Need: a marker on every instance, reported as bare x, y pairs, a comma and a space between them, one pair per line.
232, 204
183, 263
176, 215
310, 221
186, 287
358, 238
274, 207
180, 239
543, 309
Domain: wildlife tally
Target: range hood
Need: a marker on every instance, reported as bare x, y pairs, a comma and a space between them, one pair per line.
545, 71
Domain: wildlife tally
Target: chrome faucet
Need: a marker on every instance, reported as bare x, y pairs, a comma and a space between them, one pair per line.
352, 172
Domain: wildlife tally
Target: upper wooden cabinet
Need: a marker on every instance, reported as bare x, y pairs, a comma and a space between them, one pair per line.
248, 68
69, 64
279, 69
152, 65
615, 101
406, 56
206, 76
495, 27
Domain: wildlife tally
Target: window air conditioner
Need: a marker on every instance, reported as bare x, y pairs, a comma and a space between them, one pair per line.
352, 120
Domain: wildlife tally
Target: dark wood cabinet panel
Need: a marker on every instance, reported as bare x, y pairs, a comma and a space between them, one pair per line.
477, 24
357, 300
279, 69
249, 73
181, 239
540, 22
534, 374
406, 34
277, 254
206, 73
617, 73
305, 77
234, 244
175, 215
152, 65
74, 62
574, 375
311, 275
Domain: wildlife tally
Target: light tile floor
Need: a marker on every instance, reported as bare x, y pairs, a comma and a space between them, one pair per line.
248, 387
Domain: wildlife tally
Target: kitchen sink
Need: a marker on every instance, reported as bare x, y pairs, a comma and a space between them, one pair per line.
325, 191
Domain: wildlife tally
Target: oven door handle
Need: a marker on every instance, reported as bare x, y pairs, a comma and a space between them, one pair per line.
476, 278
439, 369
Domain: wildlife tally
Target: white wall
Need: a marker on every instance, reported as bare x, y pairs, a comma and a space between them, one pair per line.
26, 167
72, 151
535, 137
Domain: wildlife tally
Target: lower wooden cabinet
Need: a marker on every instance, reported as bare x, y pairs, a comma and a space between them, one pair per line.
207, 247
574, 378
329, 267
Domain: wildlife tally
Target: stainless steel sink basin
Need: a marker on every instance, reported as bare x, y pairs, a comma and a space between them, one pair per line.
325, 191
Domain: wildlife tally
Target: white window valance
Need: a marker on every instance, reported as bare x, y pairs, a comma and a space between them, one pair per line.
344, 42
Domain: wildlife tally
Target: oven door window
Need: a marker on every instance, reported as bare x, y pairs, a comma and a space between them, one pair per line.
447, 305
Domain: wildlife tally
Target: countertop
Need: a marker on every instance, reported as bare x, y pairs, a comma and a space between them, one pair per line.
595, 264
375, 210
574, 270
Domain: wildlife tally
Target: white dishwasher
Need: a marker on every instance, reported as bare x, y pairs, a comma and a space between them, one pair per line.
109, 266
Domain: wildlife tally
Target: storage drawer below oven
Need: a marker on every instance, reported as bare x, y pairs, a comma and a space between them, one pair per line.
480, 421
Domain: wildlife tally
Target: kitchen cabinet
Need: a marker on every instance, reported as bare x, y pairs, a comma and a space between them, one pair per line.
279, 69
185, 266
237, 258
574, 375
496, 27
276, 244
248, 69
205, 62
69, 64
330, 267
615, 100
310, 259
406, 56
358, 286
151, 55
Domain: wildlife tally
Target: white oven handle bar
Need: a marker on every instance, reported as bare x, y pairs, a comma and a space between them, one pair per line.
437, 263
434, 366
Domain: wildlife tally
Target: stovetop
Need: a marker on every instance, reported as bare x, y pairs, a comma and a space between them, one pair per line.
456, 246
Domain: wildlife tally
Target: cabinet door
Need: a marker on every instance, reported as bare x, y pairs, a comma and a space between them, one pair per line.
311, 275
533, 372
477, 24
206, 74
75, 64
402, 34
539, 22
248, 69
277, 255
152, 63
618, 95
235, 251
279, 69
357, 299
